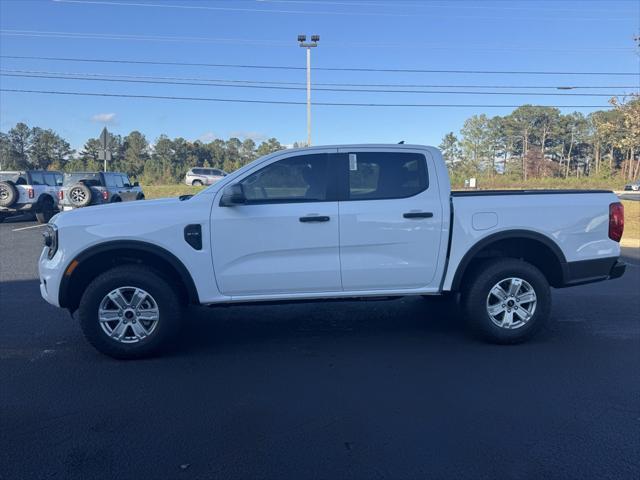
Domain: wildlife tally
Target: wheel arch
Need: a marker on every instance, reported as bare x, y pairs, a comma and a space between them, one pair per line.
533, 247
90, 263
45, 197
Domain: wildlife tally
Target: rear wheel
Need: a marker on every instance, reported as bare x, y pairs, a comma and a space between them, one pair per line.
130, 312
196, 183
506, 300
46, 211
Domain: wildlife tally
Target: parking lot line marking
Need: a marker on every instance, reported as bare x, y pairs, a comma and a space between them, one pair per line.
27, 228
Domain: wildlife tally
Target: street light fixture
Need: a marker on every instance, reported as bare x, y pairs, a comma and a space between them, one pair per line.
302, 40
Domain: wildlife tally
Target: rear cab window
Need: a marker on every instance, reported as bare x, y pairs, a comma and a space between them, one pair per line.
91, 179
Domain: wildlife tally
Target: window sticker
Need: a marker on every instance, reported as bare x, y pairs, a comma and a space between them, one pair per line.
353, 162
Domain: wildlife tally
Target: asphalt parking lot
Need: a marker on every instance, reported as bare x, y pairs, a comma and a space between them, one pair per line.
393, 389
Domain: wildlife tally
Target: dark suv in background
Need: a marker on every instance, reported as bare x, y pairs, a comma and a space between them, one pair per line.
93, 188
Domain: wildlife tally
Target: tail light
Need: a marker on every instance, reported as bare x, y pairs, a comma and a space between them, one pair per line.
616, 221
60, 195
30, 192
105, 195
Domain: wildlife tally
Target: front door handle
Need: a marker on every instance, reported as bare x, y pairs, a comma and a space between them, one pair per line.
418, 215
314, 218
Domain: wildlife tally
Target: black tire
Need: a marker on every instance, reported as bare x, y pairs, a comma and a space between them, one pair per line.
80, 195
140, 196
115, 199
164, 296
478, 285
197, 183
8, 193
46, 210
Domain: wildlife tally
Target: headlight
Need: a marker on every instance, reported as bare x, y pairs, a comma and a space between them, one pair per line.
50, 239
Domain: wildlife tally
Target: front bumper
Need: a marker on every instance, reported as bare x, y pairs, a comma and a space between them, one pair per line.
50, 272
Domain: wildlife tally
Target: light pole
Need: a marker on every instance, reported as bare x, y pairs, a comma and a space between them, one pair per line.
302, 40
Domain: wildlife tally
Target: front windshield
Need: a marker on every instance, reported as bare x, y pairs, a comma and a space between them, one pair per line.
73, 178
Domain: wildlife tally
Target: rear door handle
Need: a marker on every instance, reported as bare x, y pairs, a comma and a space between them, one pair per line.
314, 218
418, 215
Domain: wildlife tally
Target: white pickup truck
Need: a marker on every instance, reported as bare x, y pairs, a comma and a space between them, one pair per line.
339, 222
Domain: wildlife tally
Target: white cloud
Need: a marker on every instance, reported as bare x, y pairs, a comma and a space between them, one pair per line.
109, 118
207, 137
243, 135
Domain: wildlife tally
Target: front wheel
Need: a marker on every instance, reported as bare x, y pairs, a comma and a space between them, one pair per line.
130, 312
197, 183
506, 300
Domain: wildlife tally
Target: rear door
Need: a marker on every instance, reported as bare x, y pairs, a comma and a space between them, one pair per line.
390, 220
127, 192
284, 240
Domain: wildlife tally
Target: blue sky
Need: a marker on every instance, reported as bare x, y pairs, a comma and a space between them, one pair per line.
549, 35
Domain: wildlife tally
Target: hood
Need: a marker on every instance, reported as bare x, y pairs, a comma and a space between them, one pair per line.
120, 212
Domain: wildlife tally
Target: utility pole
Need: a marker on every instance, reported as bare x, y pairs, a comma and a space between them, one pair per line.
104, 153
302, 40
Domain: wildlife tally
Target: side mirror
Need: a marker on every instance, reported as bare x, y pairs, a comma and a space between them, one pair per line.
233, 195
136, 184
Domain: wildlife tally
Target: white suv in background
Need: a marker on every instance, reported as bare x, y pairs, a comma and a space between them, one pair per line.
204, 176
30, 191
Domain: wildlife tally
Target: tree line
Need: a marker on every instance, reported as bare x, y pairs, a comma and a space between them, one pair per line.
540, 142
531, 142
165, 161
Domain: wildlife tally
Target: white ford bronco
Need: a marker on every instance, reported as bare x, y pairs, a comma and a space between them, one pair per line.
339, 222
31, 191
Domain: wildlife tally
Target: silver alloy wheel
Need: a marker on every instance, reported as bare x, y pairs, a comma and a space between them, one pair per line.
128, 314
511, 303
77, 195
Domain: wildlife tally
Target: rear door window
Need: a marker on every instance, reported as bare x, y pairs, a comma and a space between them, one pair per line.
37, 178
110, 180
50, 179
386, 175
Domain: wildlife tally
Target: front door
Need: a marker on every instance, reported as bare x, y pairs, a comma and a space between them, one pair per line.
390, 220
284, 240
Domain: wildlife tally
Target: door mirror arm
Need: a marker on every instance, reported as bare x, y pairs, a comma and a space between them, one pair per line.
233, 195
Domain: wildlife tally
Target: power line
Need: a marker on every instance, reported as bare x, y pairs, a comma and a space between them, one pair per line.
332, 69
297, 12
282, 102
328, 84
282, 43
323, 89
429, 5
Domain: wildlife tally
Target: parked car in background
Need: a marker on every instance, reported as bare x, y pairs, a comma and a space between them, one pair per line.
350, 222
82, 189
30, 191
204, 176
633, 187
